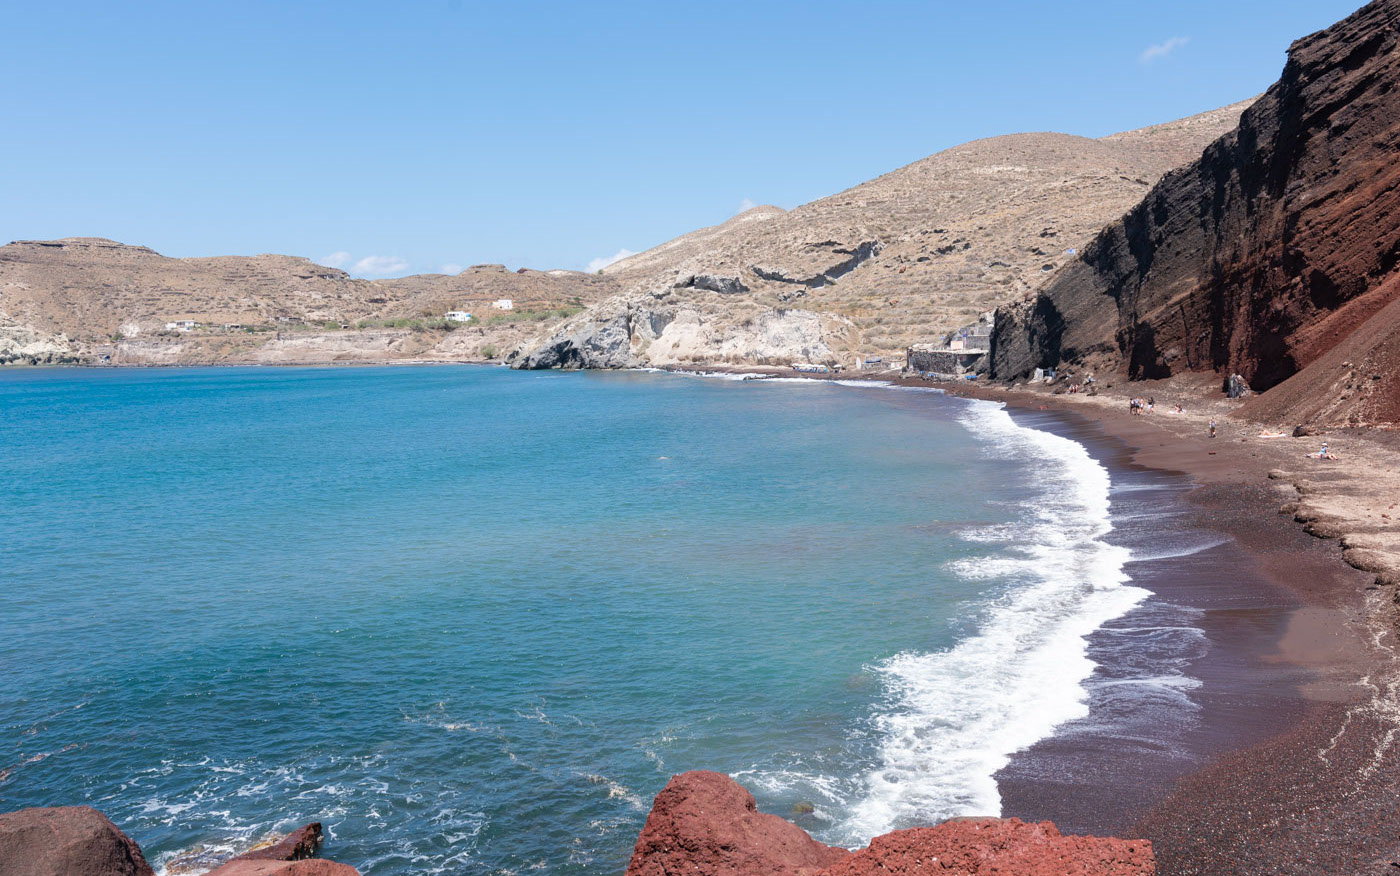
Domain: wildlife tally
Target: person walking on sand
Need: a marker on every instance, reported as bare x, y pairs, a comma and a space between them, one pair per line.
1212, 427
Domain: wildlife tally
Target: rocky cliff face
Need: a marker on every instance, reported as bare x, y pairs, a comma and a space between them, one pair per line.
1278, 247
664, 330
901, 259
705, 824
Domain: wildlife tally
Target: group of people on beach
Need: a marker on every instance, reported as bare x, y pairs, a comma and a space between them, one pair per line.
1137, 405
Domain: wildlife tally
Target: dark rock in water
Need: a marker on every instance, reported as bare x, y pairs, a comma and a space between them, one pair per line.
311, 867
706, 824
67, 841
299, 844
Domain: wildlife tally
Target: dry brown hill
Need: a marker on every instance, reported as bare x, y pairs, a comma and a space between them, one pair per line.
903, 258
78, 297
899, 259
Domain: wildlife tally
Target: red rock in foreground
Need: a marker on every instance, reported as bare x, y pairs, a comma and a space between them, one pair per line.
298, 845
706, 824
66, 841
286, 858
80, 841
246, 867
1006, 846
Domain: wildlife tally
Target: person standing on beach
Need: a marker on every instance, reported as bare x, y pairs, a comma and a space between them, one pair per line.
1212, 427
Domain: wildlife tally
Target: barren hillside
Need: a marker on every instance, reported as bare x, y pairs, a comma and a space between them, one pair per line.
903, 258
75, 298
897, 260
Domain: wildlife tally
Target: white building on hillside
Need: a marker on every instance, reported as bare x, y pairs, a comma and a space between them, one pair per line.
180, 325
503, 304
458, 316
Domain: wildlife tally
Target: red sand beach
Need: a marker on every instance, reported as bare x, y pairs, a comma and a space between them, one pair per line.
1297, 769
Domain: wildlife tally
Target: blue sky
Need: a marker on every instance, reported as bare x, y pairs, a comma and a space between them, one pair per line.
393, 138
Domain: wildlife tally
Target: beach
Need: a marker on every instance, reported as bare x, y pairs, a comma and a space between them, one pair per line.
1293, 765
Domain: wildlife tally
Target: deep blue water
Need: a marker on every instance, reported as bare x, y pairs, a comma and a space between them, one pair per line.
473, 619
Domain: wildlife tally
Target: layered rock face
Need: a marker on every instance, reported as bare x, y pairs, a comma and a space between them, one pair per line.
900, 259
706, 824
1276, 249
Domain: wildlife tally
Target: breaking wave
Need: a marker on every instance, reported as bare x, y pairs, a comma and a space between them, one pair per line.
953, 718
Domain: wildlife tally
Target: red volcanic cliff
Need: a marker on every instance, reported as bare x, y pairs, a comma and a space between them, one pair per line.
1276, 249
706, 824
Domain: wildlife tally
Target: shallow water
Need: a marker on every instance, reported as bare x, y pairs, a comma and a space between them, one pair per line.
473, 619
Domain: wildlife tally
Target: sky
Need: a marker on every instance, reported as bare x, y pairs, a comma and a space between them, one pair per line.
414, 137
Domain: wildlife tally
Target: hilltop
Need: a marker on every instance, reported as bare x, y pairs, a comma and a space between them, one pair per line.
903, 258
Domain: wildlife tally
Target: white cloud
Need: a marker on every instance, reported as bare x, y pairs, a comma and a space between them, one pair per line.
599, 263
451, 268
379, 266
745, 206
1161, 50
335, 260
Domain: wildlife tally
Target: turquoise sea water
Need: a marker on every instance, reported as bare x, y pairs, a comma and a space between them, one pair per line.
473, 619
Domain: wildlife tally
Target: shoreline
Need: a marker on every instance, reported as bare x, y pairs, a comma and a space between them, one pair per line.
1296, 763
1299, 779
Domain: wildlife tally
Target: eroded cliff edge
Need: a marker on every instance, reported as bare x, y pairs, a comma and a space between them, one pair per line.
1273, 256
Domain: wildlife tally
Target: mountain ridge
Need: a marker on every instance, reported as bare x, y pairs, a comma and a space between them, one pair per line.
893, 260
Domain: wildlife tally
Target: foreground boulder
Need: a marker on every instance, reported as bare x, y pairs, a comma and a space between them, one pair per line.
80, 841
66, 841
1006, 846
706, 824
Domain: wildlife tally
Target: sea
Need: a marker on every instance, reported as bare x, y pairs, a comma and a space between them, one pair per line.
472, 620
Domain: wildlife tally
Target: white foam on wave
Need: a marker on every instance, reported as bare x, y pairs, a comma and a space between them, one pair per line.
953, 718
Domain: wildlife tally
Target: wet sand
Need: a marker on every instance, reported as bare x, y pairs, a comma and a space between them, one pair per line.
1293, 763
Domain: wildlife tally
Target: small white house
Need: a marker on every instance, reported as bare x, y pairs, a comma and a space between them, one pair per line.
503, 304
180, 325
458, 316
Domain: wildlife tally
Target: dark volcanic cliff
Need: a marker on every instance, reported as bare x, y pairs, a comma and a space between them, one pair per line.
1274, 249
